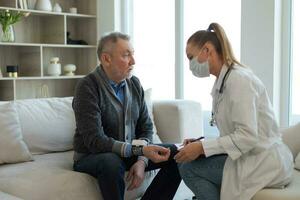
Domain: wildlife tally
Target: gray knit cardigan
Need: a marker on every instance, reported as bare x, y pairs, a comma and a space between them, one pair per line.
103, 124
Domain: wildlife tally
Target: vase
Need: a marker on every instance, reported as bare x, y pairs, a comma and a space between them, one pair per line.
44, 5
8, 34
54, 68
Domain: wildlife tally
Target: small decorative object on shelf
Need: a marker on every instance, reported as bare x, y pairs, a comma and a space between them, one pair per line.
44, 91
12, 71
7, 19
73, 10
71, 41
57, 8
44, 5
1, 73
69, 69
54, 68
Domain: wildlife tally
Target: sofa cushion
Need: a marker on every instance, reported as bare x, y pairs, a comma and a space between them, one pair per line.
291, 137
297, 161
51, 177
12, 147
48, 125
6, 196
52, 183
291, 192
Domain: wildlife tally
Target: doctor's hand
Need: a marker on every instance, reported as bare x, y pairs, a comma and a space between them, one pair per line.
156, 153
136, 174
190, 140
189, 152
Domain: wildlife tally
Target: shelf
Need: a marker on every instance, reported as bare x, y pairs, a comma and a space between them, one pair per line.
41, 78
28, 58
28, 89
46, 13
41, 36
46, 45
6, 90
83, 59
63, 77
69, 46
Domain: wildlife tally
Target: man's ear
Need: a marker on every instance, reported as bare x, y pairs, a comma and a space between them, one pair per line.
105, 59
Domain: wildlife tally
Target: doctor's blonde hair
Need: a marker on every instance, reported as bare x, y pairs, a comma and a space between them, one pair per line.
215, 34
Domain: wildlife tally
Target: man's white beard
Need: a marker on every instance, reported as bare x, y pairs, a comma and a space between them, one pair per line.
131, 73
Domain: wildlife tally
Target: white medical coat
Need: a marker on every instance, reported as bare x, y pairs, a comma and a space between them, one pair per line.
249, 134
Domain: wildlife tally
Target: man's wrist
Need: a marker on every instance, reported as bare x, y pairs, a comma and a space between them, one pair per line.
137, 147
144, 160
137, 150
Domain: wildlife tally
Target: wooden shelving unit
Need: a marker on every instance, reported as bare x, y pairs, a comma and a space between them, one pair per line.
41, 36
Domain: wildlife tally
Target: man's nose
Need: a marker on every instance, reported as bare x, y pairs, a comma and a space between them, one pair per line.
132, 60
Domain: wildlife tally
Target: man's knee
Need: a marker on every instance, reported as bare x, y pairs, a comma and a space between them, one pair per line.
110, 165
186, 170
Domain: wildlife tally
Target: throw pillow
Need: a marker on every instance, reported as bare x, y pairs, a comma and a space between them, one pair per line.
297, 161
148, 100
48, 125
12, 147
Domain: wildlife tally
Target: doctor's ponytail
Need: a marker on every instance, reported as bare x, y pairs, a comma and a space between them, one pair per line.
216, 35
226, 49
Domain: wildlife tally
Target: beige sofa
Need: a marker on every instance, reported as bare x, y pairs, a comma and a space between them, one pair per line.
36, 139
291, 136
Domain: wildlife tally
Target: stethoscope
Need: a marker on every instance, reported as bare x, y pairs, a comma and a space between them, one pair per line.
215, 109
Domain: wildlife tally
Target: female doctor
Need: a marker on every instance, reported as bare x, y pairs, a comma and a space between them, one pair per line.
249, 154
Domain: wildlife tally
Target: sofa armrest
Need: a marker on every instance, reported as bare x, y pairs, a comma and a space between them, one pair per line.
291, 137
176, 120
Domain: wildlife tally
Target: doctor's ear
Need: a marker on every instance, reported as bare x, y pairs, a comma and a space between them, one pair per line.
208, 47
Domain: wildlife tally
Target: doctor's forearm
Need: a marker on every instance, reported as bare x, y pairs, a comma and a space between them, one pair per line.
212, 147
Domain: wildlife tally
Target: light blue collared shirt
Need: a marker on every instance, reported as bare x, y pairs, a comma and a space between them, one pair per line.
119, 89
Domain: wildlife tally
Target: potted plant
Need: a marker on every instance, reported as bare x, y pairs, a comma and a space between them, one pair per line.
7, 19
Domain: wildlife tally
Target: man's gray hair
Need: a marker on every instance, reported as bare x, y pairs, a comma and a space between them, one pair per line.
108, 40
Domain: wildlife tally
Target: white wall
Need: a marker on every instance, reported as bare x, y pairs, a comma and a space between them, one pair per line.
109, 16
262, 25
260, 43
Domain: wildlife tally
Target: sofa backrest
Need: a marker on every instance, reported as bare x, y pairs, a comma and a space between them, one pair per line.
47, 124
291, 137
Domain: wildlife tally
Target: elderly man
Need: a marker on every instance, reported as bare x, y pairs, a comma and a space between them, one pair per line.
114, 130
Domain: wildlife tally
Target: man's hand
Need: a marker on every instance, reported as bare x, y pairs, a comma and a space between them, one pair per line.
156, 153
189, 152
136, 174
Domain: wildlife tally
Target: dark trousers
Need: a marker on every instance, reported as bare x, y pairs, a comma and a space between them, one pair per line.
109, 169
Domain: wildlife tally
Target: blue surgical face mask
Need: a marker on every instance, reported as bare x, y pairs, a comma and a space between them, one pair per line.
199, 69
